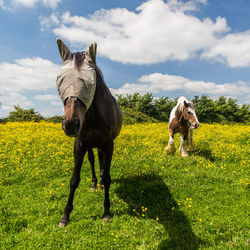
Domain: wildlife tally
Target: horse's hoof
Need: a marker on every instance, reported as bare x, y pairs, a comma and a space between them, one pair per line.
170, 150
107, 218
184, 155
61, 224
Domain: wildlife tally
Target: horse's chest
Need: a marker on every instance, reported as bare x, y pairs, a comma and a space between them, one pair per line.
95, 138
178, 127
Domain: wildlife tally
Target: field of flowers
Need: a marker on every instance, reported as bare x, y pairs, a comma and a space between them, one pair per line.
158, 201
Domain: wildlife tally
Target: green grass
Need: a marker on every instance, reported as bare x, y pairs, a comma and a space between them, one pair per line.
158, 201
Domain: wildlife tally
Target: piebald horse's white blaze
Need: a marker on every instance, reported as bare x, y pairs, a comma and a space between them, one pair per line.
182, 120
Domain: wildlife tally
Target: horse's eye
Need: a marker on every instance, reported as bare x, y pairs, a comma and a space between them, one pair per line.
189, 112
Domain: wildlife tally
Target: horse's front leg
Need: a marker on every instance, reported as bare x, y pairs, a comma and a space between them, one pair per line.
183, 145
79, 152
107, 152
190, 139
170, 148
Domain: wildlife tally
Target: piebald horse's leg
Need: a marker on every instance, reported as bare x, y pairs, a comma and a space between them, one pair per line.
79, 152
170, 148
106, 178
183, 145
190, 139
91, 158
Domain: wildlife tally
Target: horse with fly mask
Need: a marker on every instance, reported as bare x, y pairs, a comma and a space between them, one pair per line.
91, 115
182, 120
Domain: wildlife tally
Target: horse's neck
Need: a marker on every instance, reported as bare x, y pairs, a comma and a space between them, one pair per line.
101, 98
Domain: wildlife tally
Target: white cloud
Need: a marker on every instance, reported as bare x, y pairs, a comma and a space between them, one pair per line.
46, 97
2, 5
13, 4
157, 82
28, 74
53, 99
14, 98
53, 111
155, 32
25, 3
233, 49
47, 22
51, 3
11, 99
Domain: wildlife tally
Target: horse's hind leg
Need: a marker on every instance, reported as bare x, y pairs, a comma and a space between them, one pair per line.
170, 148
79, 152
91, 158
107, 155
101, 163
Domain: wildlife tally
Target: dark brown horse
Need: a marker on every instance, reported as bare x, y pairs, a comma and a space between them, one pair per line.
91, 115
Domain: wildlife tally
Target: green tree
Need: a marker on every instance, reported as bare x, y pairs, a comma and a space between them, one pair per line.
243, 114
163, 107
145, 104
205, 109
21, 115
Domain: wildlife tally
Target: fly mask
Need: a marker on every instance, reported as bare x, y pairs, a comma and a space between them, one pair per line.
77, 79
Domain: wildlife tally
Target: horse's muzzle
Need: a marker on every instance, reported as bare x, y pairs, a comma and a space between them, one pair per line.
197, 124
71, 127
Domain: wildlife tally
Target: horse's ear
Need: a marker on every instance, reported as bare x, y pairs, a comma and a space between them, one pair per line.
91, 53
185, 104
63, 50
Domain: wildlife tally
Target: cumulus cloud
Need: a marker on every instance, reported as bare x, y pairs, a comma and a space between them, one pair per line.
51, 3
53, 99
47, 22
46, 97
157, 82
2, 5
53, 111
10, 99
233, 49
28, 74
155, 32
12, 4
25, 74
13, 98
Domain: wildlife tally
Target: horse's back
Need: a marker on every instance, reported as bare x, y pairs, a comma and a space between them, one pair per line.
172, 115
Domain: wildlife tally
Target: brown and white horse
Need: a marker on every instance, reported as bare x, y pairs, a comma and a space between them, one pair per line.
182, 120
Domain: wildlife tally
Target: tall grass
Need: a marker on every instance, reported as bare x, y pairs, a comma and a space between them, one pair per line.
158, 201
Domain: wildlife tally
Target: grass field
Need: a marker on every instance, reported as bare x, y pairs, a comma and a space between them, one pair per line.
158, 201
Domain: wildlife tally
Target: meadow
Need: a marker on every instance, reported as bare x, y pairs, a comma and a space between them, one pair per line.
158, 201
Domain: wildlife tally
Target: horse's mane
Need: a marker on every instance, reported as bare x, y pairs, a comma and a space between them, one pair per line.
99, 72
78, 58
181, 104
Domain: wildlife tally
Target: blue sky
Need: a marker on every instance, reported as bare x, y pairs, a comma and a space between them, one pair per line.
168, 48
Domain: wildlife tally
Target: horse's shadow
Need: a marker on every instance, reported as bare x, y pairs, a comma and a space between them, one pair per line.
152, 193
206, 153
